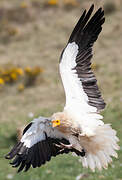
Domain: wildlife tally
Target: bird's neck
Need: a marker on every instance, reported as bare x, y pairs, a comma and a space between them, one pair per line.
65, 121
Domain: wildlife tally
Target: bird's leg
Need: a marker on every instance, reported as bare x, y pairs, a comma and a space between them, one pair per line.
64, 146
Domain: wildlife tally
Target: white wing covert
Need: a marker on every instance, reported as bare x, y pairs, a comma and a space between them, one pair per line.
38, 144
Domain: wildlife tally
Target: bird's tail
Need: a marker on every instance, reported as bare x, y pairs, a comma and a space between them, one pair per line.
100, 147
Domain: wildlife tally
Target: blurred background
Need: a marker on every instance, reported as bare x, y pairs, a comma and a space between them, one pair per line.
32, 36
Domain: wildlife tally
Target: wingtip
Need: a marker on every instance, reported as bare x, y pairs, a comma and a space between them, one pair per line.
103, 19
84, 13
7, 156
91, 8
18, 171
100, 9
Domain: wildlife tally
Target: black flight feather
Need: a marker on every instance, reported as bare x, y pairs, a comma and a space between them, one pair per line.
84, 35
38, 154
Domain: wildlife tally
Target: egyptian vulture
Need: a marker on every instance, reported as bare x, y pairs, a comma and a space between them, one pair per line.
79, 128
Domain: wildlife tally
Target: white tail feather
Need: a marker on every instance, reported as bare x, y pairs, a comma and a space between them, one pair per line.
100, 147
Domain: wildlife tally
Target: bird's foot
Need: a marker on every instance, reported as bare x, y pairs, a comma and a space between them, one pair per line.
64, 146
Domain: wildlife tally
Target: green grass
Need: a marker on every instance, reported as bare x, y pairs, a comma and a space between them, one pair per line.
63, 167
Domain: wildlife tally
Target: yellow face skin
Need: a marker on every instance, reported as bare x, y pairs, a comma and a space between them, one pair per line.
55, 123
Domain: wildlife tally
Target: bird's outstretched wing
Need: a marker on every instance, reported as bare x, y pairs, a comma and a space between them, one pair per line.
79, 82
37, 145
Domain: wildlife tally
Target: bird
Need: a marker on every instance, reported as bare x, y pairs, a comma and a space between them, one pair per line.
79, 128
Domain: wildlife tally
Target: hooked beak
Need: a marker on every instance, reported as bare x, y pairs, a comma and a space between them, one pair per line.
55, 123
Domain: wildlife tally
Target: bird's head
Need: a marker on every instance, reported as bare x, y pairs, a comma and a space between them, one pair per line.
55, 122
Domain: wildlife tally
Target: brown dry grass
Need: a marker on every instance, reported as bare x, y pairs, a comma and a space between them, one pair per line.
39, 41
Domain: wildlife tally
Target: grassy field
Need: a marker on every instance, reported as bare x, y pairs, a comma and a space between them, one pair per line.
33, 34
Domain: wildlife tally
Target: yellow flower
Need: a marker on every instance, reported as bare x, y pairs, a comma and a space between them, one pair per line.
1, 81
13, 76
41, 70
23, 5
19, 71
52, 2
21, 87
94, 66
28, 69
